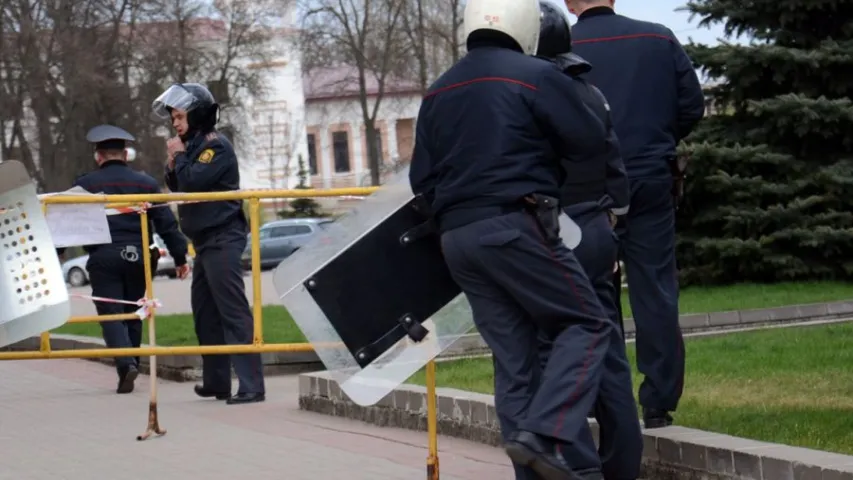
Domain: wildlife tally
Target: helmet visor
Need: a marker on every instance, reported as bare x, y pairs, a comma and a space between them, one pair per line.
175, 96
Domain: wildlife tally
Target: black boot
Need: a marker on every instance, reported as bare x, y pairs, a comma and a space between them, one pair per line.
126, 379
534, 451
654, 418
242, 398
203, 392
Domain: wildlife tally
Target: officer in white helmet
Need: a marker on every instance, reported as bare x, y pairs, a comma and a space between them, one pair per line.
491, 134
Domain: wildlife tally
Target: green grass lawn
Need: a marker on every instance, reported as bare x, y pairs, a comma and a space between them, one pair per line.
790, 385
280, 328
747, 296
178, 329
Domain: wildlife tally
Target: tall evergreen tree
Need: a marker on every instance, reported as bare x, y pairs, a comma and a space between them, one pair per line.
769, 195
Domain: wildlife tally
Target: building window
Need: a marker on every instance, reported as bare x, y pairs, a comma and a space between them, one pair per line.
340, 147
312, 154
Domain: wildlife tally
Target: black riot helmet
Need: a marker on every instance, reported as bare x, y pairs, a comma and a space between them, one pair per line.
193, 98
555, 36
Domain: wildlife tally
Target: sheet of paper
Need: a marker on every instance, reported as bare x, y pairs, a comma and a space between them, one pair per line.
77, 224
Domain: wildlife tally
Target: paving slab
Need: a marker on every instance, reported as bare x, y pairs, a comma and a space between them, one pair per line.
60, 420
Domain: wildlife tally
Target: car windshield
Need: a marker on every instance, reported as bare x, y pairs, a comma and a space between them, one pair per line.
264, 233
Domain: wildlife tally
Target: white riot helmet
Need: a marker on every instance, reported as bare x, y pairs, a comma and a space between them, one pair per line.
517, 18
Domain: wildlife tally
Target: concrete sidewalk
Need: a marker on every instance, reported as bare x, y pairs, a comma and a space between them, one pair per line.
61, 420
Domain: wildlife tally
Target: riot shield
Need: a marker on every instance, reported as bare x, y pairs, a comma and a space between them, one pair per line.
33, 295
373, 295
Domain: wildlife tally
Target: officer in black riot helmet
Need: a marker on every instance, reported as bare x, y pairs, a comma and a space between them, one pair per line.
200, 159
116, 271
596, 189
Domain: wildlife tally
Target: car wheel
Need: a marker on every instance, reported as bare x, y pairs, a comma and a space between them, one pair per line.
77, 277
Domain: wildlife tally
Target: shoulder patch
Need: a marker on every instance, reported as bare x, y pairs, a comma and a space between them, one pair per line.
206, 156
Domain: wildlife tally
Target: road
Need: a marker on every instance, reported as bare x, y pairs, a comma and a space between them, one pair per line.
174, 295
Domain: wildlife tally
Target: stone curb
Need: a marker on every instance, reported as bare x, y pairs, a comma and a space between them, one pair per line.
672, 453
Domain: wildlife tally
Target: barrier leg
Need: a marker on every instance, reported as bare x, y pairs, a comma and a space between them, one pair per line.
432, 423
44, 342
153, 422
44, 338
257, 298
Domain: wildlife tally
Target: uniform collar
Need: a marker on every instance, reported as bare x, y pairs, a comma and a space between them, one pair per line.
110, 163
596, 12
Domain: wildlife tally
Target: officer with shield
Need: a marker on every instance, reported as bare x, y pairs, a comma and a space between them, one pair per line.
596, 189
490, 137
117, 271
203, 160
657, 100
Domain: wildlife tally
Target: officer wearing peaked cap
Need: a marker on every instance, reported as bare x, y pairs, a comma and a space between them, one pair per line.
116, 271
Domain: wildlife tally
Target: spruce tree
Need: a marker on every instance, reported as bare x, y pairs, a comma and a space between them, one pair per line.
769, 195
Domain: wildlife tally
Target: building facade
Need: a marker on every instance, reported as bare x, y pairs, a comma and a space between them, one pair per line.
321, 121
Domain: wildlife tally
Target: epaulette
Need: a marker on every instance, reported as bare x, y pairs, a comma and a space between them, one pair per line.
211, 137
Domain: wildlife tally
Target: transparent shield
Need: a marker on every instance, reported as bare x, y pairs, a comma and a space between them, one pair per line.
176, 97
365, 386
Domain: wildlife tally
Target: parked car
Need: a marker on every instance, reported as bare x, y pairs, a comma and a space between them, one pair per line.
76, 275
75, 272
166, 265
279, 239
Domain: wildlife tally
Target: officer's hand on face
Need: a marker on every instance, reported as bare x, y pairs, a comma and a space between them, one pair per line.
174, 146
183, 271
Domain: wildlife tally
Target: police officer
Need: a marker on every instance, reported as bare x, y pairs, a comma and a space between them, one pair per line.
117, 270
595, 189
491, 134
656, 101
203, 160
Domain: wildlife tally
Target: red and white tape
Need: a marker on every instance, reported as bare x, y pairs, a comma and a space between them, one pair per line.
144, 304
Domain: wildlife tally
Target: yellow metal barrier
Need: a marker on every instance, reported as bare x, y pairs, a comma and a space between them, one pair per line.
257, 346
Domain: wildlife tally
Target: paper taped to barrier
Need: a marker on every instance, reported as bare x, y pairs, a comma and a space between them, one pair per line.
78, 224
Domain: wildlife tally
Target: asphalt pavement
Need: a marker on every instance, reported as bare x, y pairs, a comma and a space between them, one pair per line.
174, 295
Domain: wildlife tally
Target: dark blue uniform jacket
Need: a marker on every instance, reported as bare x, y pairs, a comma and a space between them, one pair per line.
601, 177
654, 93
493, 129
117, 178
208, 165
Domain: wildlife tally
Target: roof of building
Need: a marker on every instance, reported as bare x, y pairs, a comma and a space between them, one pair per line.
342, 81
